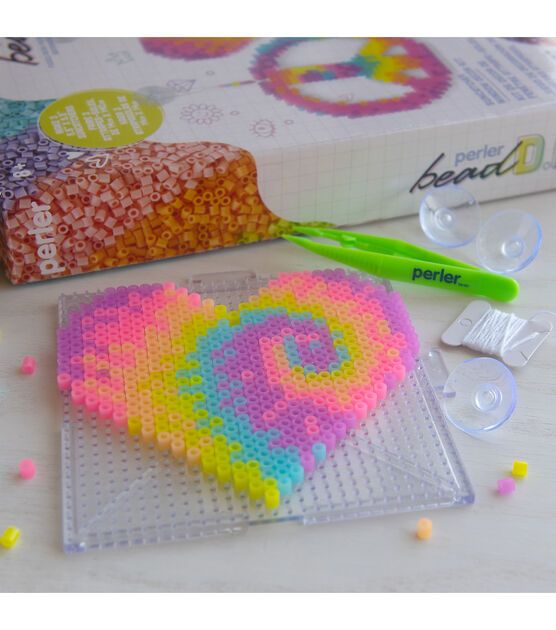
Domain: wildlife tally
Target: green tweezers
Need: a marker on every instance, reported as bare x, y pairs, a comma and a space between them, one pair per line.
398, 260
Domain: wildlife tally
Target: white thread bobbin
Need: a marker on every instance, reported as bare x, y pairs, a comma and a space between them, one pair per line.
494, 332
490, 331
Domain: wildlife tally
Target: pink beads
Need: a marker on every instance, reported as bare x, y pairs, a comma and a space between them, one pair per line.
28, 365
27, 469
340, 430
64, 381
105, 410
506, 485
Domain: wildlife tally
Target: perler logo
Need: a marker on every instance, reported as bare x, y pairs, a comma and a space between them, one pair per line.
17, 50
436, 276
525, 157
44, 238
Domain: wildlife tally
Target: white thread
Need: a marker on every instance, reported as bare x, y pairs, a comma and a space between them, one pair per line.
494, 331
497, 332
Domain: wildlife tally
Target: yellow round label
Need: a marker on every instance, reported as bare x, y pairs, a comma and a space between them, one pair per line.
101, 118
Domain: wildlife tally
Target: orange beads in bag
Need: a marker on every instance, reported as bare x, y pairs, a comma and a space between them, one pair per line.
86, 210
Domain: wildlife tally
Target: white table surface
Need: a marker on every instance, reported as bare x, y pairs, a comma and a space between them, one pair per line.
497, 544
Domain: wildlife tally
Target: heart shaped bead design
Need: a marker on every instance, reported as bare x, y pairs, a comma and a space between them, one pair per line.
256, 397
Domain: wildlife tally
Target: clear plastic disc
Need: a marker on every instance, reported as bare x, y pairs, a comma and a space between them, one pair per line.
479, 395
509, 241
450, 216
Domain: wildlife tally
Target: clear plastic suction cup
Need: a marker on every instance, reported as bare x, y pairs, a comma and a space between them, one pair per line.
509, 241
450, 216
479, 395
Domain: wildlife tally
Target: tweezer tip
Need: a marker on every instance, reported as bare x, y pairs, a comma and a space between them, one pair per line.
307, 229
292, 238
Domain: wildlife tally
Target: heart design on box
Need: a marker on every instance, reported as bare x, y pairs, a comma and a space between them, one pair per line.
98, 161
255, 397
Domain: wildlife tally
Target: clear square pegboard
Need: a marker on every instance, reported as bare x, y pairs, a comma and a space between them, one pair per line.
117, 492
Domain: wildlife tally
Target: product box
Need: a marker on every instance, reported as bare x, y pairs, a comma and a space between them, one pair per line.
120, 151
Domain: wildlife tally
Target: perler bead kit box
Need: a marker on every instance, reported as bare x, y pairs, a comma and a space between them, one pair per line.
120, 151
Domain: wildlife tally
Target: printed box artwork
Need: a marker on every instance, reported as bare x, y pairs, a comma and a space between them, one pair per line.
120, 151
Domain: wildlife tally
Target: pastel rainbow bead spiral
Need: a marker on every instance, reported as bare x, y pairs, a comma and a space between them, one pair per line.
256, 397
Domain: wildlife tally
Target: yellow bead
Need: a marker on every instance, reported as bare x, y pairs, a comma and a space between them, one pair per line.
10, 537
219, 440
253, 470
134, 427
256, 488
221, 449
208, 464
240, 479
206, 447
223, 473
238, 467
519, 469
271, 498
